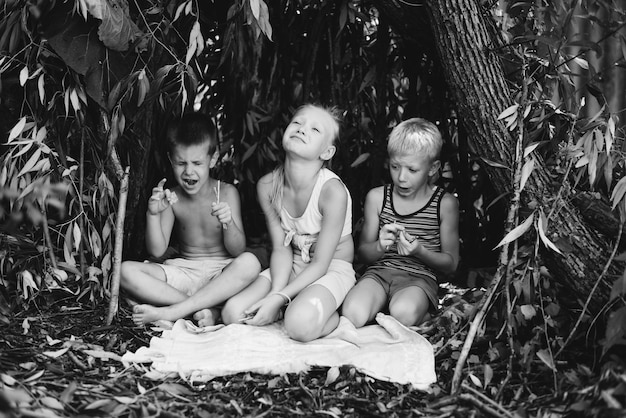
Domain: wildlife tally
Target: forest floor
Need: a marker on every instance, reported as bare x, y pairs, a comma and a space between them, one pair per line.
62, 361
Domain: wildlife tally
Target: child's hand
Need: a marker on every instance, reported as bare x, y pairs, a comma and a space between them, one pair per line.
161, 199
408, 244
388, 234
223, 213
265, 311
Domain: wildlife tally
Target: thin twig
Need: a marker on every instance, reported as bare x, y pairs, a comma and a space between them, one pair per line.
216, 190
593, 290
111, 151
485, 408
508, 326
537, 280
486, 399
117, 251
441, 403
502, 267
452, 338
476, 323
519, 162
77, 361
503, 384
81, 220
584, 51
46, 236
605, 308
570, 164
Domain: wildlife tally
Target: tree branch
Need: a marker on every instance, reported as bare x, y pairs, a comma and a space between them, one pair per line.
117, 251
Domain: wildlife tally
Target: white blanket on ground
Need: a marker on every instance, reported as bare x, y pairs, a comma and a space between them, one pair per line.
388, 351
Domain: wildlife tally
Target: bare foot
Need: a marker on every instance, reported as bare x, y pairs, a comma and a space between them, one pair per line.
131, 302
206, 317
427, 317
145, 314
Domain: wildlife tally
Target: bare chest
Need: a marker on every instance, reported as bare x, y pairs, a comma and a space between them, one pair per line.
196, 222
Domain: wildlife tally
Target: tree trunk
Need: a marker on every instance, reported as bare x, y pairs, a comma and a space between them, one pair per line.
476, 80
597, 213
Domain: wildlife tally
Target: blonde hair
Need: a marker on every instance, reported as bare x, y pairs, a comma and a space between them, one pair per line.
333, 111
415, 136
278, 175
276, 194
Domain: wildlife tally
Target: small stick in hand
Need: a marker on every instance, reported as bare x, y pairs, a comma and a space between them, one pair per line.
216, 190
247, 317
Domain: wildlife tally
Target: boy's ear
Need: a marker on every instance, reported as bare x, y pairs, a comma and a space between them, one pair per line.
434, 168
328, 153
214, 158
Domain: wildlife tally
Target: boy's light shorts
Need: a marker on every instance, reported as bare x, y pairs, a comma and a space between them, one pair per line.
394, 280
339, 278
189, 275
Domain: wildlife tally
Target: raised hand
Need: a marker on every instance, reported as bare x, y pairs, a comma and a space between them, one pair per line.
160, 199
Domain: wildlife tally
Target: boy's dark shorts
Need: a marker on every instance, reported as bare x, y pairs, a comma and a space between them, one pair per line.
262, 253
393, 280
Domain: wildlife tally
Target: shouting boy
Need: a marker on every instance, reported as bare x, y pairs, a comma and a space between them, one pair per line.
205, 216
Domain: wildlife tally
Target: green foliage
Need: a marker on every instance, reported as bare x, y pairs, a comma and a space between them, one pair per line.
83, 109
57, 200
87, 89
569, 121
46, 203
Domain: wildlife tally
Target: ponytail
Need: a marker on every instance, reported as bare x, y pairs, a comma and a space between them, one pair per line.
278, 184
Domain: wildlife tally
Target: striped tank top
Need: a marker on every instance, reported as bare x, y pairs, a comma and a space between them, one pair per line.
422, 224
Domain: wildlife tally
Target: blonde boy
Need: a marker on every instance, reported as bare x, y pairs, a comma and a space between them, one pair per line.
410, 232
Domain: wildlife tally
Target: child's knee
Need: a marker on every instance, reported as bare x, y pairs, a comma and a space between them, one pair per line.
301, 332
305, 323
355, 312
126, 272
408, 314
247, 265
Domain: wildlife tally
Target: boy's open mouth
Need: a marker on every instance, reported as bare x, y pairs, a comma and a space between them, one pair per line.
190, 182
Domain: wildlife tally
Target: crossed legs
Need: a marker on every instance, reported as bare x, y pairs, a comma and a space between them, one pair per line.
147, 282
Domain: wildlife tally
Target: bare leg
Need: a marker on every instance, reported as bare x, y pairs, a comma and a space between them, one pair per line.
146, 282
312, 314
363, 302
234, 278
233, 310
409, 306
207, 317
